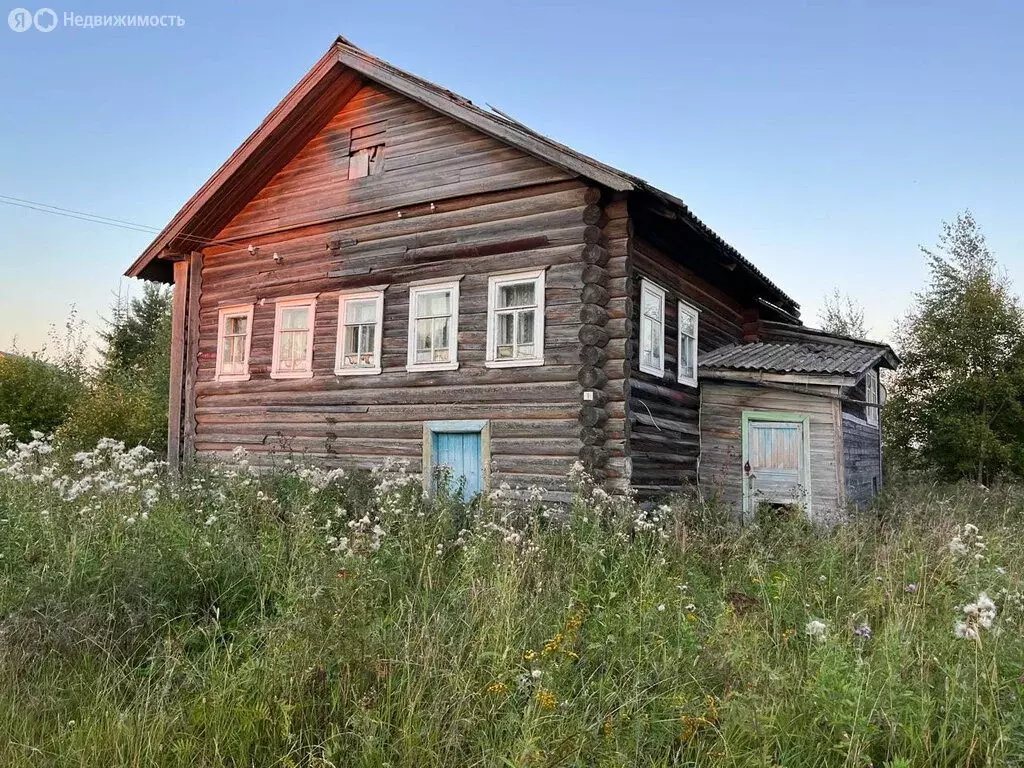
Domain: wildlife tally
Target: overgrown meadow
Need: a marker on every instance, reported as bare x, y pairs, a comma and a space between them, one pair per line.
303, 617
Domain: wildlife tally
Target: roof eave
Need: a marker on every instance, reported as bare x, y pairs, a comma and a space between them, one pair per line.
466, 112
195, 203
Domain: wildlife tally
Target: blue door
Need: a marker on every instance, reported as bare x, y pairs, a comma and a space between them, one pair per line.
461, 454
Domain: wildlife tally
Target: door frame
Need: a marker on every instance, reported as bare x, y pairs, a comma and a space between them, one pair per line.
784, 416
430, 428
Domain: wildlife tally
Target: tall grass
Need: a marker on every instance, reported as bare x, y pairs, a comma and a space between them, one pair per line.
299, 617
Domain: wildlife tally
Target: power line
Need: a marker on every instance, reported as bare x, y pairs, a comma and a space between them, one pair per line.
70, 213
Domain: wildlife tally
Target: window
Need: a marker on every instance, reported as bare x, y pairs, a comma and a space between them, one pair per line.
652, 328
366, 150
360, 327
871, 396
515, 319
293, 338
687, 360
433, 326
234, 337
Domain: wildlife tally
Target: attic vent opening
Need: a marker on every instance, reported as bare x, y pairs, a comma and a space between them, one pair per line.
366, 150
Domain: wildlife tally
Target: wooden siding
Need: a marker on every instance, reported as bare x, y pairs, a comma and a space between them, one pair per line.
449, 202
862, 460
663, 444
721, 442
427, 157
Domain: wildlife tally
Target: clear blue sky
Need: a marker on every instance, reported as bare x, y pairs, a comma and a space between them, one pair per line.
824, 140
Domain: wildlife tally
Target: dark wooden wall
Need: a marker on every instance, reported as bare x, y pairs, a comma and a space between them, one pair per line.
663, 436
445, 191
862, 456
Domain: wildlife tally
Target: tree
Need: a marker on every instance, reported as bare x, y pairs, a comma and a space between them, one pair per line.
129, 393
842, 316
35, 395
956, 399
137, 329
38, 390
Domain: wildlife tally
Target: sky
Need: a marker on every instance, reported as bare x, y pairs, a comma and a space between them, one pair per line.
826, 141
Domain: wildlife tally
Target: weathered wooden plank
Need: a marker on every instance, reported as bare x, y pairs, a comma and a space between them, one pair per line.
194, 332
176, 395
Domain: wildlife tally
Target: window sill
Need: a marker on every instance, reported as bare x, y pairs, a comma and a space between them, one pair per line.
688, 382
412, 368
356, 371
292, 375
513, 363
652, 371
232, 377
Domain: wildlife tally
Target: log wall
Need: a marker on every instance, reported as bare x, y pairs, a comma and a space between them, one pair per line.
449, 202
427, 157
662, 414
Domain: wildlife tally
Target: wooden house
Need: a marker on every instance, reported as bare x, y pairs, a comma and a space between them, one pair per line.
384, 269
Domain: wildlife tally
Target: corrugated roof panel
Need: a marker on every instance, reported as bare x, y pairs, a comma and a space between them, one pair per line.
804, 357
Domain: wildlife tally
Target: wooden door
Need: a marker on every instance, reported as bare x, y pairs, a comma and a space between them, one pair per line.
775, 463
459, 457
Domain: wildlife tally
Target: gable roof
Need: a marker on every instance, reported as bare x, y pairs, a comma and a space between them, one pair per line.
325, 89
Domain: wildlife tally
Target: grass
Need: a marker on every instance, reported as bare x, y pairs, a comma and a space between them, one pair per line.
302, 618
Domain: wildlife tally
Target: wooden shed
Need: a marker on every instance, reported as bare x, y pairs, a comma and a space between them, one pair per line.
793, 420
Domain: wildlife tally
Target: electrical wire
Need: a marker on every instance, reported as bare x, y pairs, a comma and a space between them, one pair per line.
94, 218
72, 214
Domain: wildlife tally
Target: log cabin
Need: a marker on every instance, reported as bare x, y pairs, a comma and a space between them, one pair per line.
384, 269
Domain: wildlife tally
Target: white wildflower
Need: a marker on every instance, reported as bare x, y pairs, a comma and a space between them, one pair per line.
816, 629
967, 541
977, 616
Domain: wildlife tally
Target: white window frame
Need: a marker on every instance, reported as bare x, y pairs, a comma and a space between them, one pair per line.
376, 294
494, 284
871, 412
223, 313
682, 308
429, 286
281, 305
646, 286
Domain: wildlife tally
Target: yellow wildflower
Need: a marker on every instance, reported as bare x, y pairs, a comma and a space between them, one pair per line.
497, 688
530, 655
553, 645
576, 620
691, 617
546, 699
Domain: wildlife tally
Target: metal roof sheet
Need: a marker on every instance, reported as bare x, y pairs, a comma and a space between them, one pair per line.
802, 357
